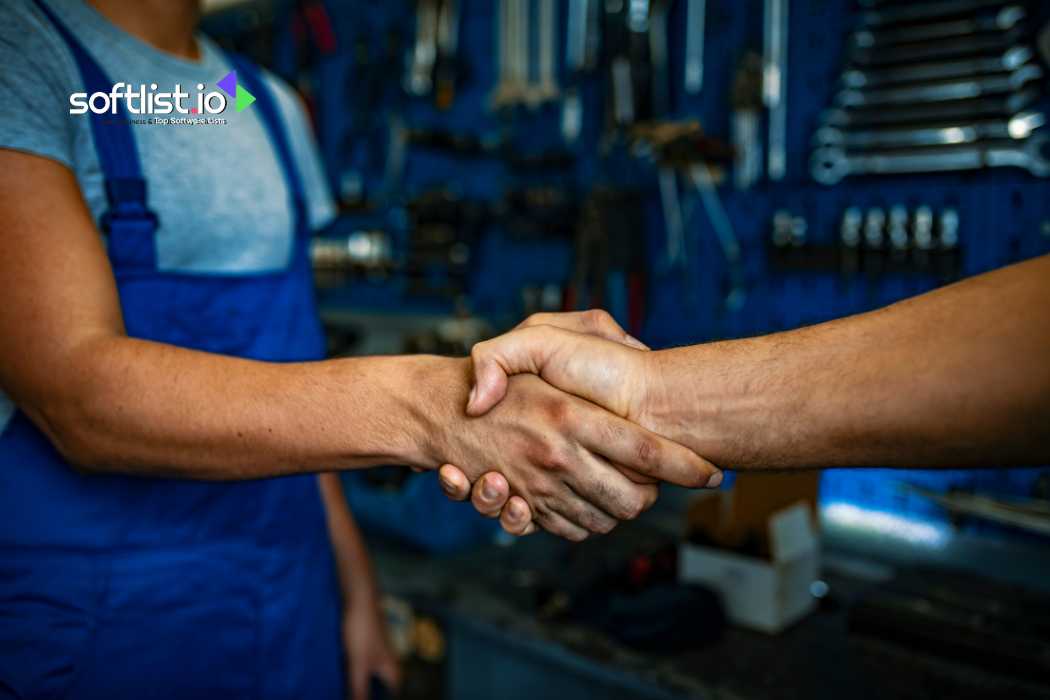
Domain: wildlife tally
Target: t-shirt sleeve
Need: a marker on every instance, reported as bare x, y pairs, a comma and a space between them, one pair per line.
35, 84
320, 204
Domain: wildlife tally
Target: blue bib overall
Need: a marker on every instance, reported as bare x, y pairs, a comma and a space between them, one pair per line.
121, 587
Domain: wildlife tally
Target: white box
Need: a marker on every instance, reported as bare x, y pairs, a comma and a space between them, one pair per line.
763, 595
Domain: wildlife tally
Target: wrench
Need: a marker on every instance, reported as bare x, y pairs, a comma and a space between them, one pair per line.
1010, 60
658, 56
829, 165
672, 208
700, 175
576, 37
940, 49
945, 91
745, 121
1018, 127
693, 78
921, 11
513, 38
547, 87
1001, 106
774, 83
419, 80
1004, 20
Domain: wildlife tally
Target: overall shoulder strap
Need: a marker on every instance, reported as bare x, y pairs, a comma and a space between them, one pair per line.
269, 111
129, 224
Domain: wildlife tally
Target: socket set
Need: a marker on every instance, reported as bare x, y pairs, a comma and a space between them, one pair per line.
935, 86
873, 242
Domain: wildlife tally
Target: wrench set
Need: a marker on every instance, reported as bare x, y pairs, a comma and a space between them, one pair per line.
935, 86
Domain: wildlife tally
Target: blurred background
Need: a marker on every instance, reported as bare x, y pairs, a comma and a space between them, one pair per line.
702, 169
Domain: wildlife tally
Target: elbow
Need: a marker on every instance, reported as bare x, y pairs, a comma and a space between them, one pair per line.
72, 430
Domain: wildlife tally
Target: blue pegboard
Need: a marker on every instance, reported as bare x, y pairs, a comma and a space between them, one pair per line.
1003, 214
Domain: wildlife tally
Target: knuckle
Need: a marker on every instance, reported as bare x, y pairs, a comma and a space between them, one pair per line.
533, 320
648, 452
633, 505
597, 318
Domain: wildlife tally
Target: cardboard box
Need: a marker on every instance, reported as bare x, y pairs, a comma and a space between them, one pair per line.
766, 595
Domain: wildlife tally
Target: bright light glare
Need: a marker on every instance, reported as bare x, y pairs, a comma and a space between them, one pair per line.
890, 524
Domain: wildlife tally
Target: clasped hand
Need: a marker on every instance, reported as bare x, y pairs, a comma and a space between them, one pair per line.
612, 470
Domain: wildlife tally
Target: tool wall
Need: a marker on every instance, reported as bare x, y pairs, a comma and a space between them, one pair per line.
703, 169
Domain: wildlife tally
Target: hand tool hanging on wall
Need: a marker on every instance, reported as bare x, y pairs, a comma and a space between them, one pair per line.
774, 83
745, 121
419, 80
580, 58
935, 87
695, 17
660, 73
434, 67
447, 68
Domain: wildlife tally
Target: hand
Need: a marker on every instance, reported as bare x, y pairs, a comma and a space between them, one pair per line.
490, 493
368, 651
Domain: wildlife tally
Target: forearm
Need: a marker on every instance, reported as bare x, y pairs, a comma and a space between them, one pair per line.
152, 409
356, 577
956, 377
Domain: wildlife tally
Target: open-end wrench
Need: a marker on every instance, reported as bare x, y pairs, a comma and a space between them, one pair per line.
922, 11
658, 56
1011, 59
943, 91
695, 16
577, 31
546, 88
672, 210
419, 80
829, 165
774, 83
999, 106
1005, 19
700, 174
745, 121
1020, 126
937, 50
513, 36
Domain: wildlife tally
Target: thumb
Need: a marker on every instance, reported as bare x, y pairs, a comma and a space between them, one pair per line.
490, 381
524, 350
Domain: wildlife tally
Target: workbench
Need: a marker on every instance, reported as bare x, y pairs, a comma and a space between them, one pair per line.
498, 647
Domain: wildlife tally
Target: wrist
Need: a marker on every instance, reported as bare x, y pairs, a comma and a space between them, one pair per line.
436, 399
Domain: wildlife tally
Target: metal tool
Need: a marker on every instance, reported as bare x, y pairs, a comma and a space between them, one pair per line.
774, 83
745, 121
943, 91
513, 41
419, 80
700, 174
922, 11
546, 88
447, 51
829, 165
695, 18
672, 210
1020, 126
658, 56
577, 31
1012, 59
1004, 20
941, 49
999, 106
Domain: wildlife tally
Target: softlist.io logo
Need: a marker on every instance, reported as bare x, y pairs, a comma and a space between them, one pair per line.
147, 100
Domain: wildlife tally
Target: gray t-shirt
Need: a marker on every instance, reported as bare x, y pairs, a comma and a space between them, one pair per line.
218, 190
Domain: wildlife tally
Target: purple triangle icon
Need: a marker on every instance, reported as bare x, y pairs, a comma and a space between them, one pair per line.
229, 83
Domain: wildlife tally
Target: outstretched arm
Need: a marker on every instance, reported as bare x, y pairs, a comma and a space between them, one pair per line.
956, 377
112, 403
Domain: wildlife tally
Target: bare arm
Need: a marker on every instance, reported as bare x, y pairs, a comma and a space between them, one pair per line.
953, 378
113, 403
956, 377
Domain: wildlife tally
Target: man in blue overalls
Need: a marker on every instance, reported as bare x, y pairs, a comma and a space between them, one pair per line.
159, 361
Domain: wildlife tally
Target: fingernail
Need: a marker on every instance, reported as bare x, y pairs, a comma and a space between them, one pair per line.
470, 396
446, 485
489, 491
639, 344
715, 481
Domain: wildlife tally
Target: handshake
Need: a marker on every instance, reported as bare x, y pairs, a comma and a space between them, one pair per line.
581, 442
